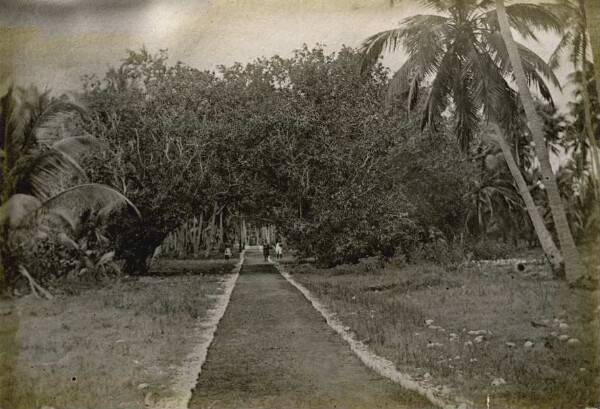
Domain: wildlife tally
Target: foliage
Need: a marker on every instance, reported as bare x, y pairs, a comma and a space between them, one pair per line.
461, 53
438, 251
42, 181
489, 249
303, 143
148, 116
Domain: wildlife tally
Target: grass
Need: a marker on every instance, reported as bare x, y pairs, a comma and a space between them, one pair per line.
388, 310
95, 348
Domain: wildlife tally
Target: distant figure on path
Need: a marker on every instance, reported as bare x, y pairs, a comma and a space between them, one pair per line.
227, 253
278, 250
266, 248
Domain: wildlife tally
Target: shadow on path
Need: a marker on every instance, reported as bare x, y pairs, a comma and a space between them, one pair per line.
273, 350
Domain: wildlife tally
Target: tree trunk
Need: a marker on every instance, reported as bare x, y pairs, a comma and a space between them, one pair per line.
211, 235
198, 235
591, 12
181, 235
567, 244
138, 256
243, 236
545, 238
221, 230
587, 106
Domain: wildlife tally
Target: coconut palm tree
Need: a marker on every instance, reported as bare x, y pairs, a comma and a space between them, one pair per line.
461, 55
574, 40
41, 177
567, 244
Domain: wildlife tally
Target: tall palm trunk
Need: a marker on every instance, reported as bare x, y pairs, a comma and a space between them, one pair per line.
567, 244
587, 106
589, 130
591, 15
552, 252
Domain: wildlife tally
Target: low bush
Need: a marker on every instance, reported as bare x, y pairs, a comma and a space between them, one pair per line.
489, 250
367, 265
439, 252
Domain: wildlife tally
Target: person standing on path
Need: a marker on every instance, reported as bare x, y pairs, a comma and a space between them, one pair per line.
266, 248
278, 250
227, 253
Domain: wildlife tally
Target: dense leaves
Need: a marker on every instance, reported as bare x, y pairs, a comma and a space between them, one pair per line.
306, 143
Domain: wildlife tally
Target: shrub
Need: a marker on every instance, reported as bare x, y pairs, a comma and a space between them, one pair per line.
46, 259
398, 260
439, 252
489, 250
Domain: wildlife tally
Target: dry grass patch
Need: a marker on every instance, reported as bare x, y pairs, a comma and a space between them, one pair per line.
112, 347
473, 329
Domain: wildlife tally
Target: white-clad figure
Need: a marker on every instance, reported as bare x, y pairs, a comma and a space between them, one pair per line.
278, 250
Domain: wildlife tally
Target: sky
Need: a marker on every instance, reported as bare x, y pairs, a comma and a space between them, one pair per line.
53, 43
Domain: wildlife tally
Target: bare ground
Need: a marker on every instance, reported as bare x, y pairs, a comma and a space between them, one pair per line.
273, 350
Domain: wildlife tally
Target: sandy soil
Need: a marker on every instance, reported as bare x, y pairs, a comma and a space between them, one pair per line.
273, 350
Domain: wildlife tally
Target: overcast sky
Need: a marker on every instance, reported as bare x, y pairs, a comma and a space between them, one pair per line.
54, 42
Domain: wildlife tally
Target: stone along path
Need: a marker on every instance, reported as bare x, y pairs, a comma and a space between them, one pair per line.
273, 350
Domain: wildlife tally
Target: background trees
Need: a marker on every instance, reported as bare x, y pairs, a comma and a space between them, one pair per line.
152, 124
330, 154
468, 62
303, 143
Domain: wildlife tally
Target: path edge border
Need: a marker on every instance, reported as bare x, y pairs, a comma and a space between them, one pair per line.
379, 364
187, 374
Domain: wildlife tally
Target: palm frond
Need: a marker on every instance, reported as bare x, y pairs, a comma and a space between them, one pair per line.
374, 46
16, 208
563, 44
409, 71
413, 92
71, 203
533, 64
441, 88
485, 4
6, 107
466, 111
420, 35
489, 87
437, 5
43, 173
53, 116
424, 34
577, 51
76, 146
526, 18
534, 78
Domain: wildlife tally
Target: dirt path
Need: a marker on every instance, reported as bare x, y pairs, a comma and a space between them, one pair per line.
273, 350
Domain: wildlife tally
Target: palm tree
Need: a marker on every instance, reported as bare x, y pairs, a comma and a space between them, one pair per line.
460, 52
575, 40
41, 176
495, 201
567, 244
